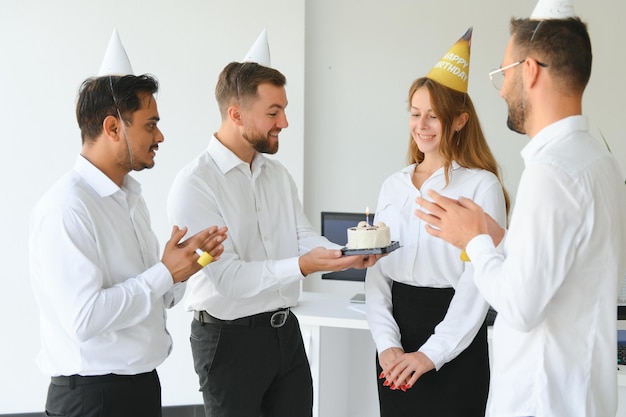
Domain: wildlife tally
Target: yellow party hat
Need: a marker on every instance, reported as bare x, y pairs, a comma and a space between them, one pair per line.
452, 70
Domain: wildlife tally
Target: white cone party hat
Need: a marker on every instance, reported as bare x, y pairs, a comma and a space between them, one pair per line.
260, 51
115, 61
553, 9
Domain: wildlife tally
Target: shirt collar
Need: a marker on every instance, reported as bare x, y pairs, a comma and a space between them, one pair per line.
554, 133
226, 159
102, 184
409, 169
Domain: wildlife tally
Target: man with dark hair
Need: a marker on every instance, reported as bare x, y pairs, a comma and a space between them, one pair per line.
101, 287
555, 285
102, 96
247, 346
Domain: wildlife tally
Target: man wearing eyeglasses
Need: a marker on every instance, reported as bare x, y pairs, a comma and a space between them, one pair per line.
555, 284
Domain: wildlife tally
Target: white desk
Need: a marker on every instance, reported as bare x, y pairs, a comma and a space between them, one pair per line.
330, 310
341, 354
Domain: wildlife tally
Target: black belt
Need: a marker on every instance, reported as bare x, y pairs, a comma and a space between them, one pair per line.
273, 319
73, 380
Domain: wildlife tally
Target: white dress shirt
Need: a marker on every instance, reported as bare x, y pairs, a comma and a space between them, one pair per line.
426, 261
556, 285
267, 232
97, 277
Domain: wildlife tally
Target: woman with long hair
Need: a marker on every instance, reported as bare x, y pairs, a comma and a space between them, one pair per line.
426, 315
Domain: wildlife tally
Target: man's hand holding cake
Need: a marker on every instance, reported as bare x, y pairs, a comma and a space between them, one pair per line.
322, 259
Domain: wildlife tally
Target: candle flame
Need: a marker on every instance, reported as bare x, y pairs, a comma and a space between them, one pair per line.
367, 211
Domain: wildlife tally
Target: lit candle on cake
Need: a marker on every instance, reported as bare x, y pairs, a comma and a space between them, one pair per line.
367, 215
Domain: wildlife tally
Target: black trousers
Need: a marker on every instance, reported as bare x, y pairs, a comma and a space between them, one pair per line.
252, 371
105, 396
460, 387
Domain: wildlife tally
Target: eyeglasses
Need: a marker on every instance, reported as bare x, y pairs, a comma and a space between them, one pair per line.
497, 76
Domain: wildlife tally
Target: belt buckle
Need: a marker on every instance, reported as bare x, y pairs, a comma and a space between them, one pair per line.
279, 318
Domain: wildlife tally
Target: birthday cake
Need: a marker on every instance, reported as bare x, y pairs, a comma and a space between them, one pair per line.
368, 236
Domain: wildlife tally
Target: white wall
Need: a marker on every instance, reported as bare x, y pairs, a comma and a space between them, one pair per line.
47, 49
359, 58
362, 57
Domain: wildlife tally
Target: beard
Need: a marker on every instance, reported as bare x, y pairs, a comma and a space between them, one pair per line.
515, 121
517, 115
128, 160
517, 110
261, 142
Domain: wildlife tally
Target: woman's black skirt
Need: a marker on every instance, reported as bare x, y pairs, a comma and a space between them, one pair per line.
460, 387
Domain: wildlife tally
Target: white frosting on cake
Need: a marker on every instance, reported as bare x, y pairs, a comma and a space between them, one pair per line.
366, 236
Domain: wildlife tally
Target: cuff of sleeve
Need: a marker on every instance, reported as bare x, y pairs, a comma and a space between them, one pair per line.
159, 279
479, 246
289, 268
434, 354
387, 344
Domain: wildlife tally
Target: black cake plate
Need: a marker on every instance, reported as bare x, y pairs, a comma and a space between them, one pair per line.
373, 251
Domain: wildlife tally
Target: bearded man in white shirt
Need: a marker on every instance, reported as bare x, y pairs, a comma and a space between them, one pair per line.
101, 287
247, 347
555, 286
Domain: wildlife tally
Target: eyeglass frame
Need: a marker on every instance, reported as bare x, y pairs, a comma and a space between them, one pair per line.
506, 67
